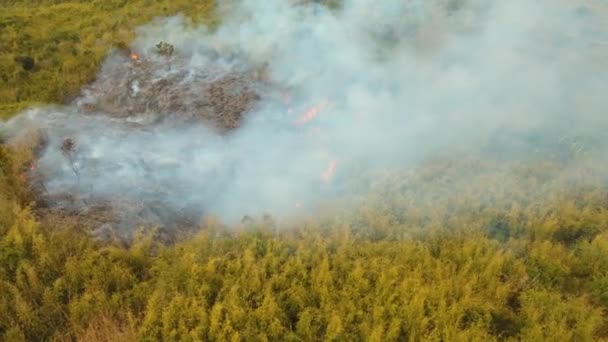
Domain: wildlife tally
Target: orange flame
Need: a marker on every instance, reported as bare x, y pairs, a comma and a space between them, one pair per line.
309, 115
312, 112
33, 166
329, 173
134, 56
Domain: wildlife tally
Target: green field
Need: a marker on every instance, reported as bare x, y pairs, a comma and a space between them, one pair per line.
428, 261
68, 40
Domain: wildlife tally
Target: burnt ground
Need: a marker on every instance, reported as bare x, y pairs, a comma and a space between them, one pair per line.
142, 93
168, 88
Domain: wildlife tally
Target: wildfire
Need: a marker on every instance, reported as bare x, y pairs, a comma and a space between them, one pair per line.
327, 176
23, 175
329, 173
134, 57
313, 112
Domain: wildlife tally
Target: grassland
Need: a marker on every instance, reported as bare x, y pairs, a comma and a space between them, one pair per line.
67, 41
506, 252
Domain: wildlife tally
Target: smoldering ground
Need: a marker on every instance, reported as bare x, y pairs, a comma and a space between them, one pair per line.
345, 92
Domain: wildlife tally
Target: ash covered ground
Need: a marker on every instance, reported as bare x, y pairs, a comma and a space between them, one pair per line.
135, 96
161, 89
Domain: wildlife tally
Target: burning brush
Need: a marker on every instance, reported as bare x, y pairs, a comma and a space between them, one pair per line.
328, 175
313, 112
134, 57
23, 176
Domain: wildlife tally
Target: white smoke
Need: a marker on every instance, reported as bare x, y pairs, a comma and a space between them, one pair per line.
405, 81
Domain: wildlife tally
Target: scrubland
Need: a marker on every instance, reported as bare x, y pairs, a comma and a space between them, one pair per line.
455, 250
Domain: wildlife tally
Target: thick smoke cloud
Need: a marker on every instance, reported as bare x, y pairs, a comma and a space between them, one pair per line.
396, 82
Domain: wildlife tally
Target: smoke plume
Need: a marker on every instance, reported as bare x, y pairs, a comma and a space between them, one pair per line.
344, 92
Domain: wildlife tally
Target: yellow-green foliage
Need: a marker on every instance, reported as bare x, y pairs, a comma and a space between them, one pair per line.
410, 263
68, 40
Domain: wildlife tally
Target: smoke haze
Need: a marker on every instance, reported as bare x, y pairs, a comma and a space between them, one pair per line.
390, 84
